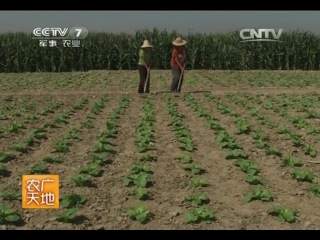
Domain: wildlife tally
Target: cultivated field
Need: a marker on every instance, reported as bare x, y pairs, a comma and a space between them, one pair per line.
242, 149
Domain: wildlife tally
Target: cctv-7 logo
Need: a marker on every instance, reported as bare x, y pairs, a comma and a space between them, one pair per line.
78, 30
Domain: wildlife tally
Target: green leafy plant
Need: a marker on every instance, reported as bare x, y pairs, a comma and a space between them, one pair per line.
303, 176
67, 216
81, 180
310, 149
92, 169
74, 133
9, 196
62, 146
142, 193
22, 147
6, 157
312, 130
315, 189
87, 123
194, 168
72, 200
8, 215
141, 179
137, 168
29, 141
213, 124
13, 128
198, 182
242, 126
62, 118
259, 134
140, 213
247, 166
260, 143
101, 147
31, 117
148, 158
282, 129
186, 159
259, 194
311, 114
50, 124
9, 98
38, 168
3, 170
198, 199
3, 116
200, 214
297, 140
283, 213
291, 161
101, 159
231, 144
236, 154
53, 159
254, 179
273, 151
186, 144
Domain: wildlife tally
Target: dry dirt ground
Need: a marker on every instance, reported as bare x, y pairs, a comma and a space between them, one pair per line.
108, 198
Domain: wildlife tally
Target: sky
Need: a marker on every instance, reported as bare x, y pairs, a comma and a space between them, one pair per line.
182, 21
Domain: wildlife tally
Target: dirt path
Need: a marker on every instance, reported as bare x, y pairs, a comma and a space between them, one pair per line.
133, 92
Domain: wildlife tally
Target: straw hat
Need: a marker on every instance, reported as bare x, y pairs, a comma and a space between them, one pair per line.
146, 44
179, 42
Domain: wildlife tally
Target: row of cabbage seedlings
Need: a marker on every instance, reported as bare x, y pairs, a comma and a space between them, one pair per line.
199, 200
34, 138
103, 152
297, 122
242, 160
262, 141
7, 214
140, 178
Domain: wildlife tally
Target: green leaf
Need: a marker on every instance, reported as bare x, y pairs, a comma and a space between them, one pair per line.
72, 200
12, 217
9, 196
315, 189
127, 181
200, 214
140, 213
254, 180
284, 214
67, 216
259, 194
142, 193
291, 161
186, 159
198, 199
191, 217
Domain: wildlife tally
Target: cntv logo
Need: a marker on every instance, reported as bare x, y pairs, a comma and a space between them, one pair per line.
260, 35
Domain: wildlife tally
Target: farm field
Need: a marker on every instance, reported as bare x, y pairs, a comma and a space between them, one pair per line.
237, 150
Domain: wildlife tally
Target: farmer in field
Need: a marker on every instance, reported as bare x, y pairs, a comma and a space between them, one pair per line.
144, 67
178, 59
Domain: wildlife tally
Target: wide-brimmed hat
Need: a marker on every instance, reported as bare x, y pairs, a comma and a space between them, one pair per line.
179, 42
146, 44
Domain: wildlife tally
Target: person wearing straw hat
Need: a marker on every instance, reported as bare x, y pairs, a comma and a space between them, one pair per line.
144, 67
178, 60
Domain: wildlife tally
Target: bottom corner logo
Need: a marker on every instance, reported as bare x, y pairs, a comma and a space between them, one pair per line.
40, 191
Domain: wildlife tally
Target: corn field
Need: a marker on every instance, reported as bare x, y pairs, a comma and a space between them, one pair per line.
299, 50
